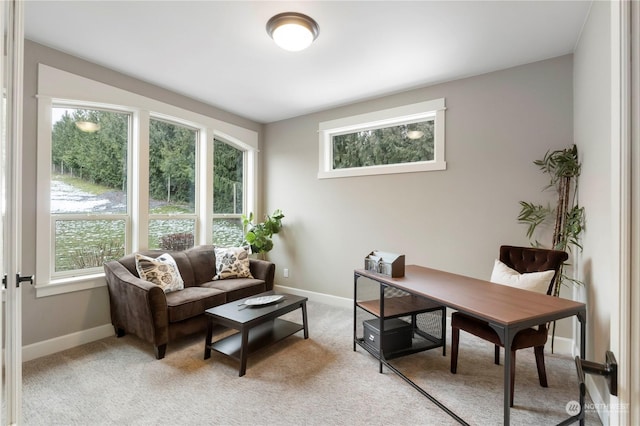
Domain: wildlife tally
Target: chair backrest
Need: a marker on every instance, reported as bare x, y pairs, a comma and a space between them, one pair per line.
532, 259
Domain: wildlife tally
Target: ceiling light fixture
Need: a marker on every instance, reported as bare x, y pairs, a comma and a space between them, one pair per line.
87, 126
293, 31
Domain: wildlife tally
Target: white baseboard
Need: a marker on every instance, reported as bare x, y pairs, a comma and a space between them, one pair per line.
57, 344
327, 299
599, 405
562, 346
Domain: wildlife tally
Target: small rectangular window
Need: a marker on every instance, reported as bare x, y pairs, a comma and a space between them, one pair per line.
405, 143
397, 140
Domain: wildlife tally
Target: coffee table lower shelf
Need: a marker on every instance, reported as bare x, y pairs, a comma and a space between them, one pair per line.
260, 337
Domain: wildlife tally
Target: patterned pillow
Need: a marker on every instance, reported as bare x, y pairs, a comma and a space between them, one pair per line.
232, 262
161, 271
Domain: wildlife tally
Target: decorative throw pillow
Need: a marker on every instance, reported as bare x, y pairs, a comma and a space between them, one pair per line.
533, 281
162, 271
232, 262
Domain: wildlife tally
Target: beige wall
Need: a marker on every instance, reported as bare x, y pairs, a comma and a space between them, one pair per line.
497, 124
49, 317
592, 127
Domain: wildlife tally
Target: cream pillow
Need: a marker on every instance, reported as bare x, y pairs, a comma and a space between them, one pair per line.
162, 271
232, 262
533, 281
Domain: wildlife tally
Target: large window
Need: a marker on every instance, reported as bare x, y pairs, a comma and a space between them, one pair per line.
172, 185
118, 173
397, 140
88, 187
228, 194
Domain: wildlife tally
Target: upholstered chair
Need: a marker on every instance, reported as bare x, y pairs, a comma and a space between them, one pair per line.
524, 260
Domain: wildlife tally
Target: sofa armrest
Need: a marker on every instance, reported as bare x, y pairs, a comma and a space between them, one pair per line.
263, 270
137, 306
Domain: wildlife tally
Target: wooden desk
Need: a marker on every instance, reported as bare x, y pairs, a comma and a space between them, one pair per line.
508, 310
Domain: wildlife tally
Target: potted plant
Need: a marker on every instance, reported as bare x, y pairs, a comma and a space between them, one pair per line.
563, 168
259, 235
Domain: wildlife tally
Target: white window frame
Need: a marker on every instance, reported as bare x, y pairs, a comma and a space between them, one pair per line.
379, 119
248, 164
73, 274
57, 87
197, 170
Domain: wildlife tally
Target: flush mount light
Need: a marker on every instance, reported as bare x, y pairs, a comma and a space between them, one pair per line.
293, 31
87, 126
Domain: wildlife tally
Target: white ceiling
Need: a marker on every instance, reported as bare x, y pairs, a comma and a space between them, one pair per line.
219, 52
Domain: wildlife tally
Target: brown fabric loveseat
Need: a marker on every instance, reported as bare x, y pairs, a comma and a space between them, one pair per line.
142, 308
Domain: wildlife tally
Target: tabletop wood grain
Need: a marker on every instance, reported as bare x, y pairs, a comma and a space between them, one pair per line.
496, 303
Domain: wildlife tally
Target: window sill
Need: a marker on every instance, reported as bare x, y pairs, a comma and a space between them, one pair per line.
384, 169
68, 285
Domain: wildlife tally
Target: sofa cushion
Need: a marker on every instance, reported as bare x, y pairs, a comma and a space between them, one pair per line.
238, 288
193, 301
162, 271
203, 263
232, 262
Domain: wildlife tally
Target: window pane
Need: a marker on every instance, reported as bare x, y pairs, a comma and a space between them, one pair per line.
171, 234
89, 161
172, 165
405, 143
81, 244
227, 179
227, 232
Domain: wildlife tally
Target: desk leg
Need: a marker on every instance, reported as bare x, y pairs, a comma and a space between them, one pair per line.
443, 314
508, 340
582, 318
506, 337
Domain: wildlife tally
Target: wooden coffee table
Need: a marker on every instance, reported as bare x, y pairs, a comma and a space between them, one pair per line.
258, 326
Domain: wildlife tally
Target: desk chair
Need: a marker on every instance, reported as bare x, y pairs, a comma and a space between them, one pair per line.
524, 260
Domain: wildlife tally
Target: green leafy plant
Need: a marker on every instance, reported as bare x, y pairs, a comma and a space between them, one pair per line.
259, 235
563, 168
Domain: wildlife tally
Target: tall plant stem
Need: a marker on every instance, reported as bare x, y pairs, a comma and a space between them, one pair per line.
564, 188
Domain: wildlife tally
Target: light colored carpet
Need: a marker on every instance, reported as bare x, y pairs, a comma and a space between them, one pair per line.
319, 381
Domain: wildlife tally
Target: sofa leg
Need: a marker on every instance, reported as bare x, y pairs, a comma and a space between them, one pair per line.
160, 351
119, 331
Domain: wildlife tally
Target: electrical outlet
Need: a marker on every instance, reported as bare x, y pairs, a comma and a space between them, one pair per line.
286, 272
